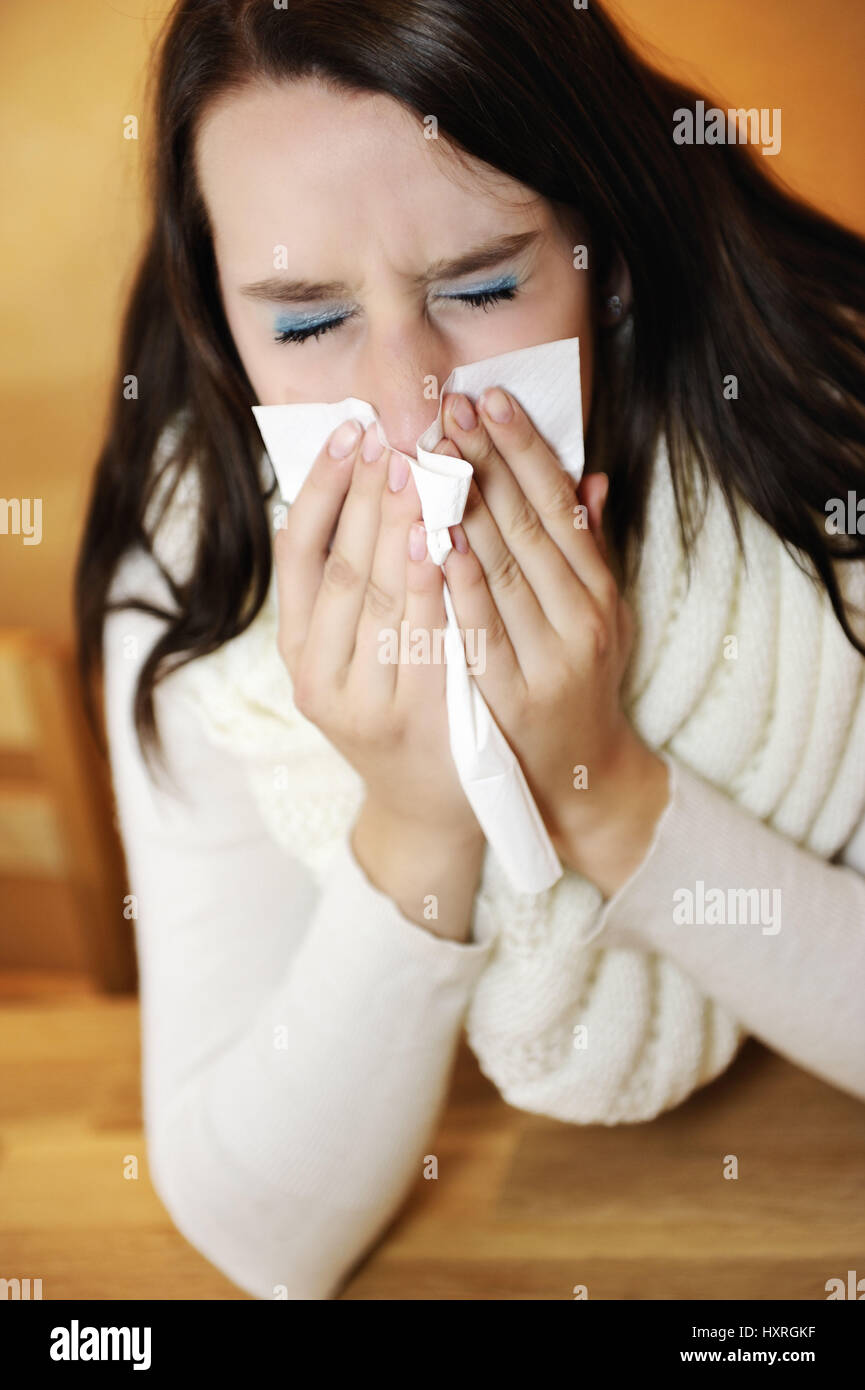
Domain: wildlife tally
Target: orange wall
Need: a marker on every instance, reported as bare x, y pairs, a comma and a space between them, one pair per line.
70, 70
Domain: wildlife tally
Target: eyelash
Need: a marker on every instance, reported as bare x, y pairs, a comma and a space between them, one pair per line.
477, 299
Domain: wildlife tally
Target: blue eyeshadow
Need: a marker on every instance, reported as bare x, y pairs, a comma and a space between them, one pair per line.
504, 282
284, 324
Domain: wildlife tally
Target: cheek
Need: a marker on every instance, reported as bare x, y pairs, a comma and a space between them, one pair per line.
563, 309
253, 349
264, 361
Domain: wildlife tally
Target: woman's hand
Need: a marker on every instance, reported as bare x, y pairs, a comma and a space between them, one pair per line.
387, 718
534, 579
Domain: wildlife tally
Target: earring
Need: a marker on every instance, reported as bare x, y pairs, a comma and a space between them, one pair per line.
614, 305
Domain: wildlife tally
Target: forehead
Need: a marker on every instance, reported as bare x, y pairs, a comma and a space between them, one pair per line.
317, 171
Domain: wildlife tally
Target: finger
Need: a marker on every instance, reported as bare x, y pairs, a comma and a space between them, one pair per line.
541, 479
489, 651
592, 492
373, 669
421, 669
558, 591
300, 546
338, 606
511, 598
529, 628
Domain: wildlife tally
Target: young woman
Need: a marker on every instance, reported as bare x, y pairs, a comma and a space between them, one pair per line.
351, 201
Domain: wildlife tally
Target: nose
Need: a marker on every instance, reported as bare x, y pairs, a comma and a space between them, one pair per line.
402, 382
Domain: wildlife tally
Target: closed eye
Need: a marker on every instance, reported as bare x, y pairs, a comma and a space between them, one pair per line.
476, 299
483, 299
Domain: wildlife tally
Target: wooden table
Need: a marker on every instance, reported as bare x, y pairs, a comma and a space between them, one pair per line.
523, 1207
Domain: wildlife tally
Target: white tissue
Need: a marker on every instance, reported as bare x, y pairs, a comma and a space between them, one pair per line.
545, 380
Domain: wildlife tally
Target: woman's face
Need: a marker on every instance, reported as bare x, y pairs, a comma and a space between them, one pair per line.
335, 209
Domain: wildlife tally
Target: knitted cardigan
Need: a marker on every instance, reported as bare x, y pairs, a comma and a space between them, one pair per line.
769, 719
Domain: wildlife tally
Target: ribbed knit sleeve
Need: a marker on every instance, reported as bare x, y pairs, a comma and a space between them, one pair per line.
297, 1042
773, 932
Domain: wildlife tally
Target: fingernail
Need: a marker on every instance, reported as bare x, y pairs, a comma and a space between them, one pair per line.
496, 404
463, 412
458, 536
372, 445
397, 472
344, 439
417, 541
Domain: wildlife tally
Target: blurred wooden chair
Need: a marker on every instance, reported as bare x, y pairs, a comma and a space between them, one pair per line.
62, 875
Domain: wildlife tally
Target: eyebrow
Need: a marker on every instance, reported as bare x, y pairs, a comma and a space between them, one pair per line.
279, 289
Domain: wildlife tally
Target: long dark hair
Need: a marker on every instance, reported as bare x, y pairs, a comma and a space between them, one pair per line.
731, 274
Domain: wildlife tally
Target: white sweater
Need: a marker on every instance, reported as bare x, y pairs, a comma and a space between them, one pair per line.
298, 1041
